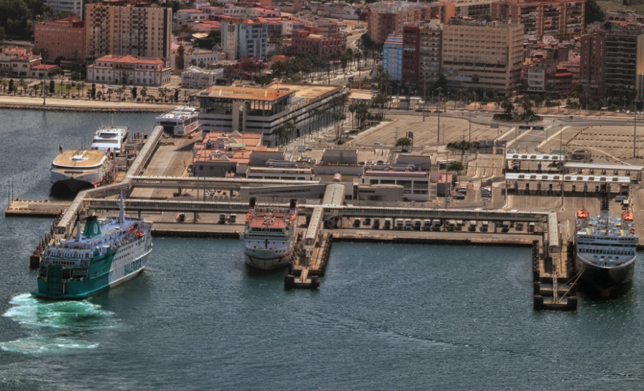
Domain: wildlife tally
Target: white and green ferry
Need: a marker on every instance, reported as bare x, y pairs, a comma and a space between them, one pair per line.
104, 254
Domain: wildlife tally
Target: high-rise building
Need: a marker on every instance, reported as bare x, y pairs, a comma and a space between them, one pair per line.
392, 57
483, 55
63, 38
624, 62
73, 6
122, 28
429, 53
563, 19
389, 17
592, 64
244, 38
411, 39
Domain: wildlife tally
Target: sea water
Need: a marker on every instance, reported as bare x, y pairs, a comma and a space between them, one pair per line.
385, 316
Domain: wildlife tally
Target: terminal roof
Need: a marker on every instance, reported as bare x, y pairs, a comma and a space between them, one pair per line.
590, 166
567, 178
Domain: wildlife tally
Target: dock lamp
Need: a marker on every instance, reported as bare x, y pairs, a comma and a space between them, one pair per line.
43, 55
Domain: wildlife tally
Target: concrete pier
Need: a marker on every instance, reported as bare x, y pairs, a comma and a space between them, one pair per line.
44, 208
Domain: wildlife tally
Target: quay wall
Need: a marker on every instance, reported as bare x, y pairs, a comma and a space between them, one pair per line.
85, 109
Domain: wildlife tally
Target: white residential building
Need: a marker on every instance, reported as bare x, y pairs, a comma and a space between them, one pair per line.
75, 6
244, 38
129, 70
197, 78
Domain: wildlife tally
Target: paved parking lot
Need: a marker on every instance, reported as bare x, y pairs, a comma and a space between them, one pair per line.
451, 130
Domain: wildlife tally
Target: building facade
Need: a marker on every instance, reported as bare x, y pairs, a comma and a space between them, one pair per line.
264, 110
592, 64
429, 53
392, 56
60, 38
18, 62
129, 70
410, 57
624, 57
197, 78
303, 42
389, 17
485, 55
563, 19
73, 6
121, 28
244, 38
536, 72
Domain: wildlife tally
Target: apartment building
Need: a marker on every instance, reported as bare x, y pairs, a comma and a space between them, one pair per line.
129, 70
624, 62
410, 57
307, 41
60, 38
198, 78
536, 73
485, 55
429, 53
73, 6
563, 19
592, 64
392, 55
387, 17
244, 38
123, 28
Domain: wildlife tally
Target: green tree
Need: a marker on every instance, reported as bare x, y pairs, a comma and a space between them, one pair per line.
2, 34
360, 112
475, 78
523, 86
440, 83
455, 166
594, 12
134, 93
404, 142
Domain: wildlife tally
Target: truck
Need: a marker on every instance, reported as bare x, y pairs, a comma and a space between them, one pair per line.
484, 226
400, 224
472, 226
459, 225
376, 224
387, 224
408, 226
417, 225
427, 225
437, 224
451, 224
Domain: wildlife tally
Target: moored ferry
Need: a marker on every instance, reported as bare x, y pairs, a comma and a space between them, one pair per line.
180, 122
104, 254
76, 170
606, 250
110, 139
269, 237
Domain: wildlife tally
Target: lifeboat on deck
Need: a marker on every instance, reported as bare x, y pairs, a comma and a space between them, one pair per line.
627, 215
582, 213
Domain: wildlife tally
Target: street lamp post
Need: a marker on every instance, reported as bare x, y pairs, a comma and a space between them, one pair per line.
424, 97
43, 54
635, 129
438, 130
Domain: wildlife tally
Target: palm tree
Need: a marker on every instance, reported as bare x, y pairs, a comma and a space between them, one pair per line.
68, 86
144, 92
80, 86
109, 93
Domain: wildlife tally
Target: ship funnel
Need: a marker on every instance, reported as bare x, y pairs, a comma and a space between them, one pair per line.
293, 207
251, 206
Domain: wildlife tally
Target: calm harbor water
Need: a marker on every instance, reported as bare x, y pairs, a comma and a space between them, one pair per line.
385, 317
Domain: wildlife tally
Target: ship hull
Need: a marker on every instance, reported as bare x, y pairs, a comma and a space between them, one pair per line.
266, 259
606, 282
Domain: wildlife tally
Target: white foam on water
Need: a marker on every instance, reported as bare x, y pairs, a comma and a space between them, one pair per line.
55, 326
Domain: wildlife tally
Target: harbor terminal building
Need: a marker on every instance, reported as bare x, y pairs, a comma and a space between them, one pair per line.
262, 110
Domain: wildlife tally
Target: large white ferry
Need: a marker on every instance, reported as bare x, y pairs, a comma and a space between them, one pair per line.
105, 254
76, 170
606, 250
269, 237
110, 139
180, 122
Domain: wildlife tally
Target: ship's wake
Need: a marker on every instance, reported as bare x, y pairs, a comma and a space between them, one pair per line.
56, 326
